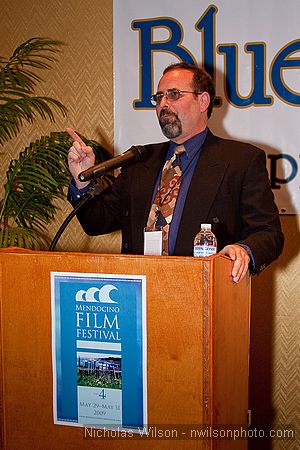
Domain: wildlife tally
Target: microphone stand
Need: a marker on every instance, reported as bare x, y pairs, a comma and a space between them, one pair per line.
95, 190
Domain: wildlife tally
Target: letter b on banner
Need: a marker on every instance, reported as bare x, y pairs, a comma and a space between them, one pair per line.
148, 47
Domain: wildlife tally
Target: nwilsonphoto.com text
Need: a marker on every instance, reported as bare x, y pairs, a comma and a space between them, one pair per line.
190, 432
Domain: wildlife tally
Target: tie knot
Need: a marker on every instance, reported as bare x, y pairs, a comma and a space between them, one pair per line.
179, 149
175, 159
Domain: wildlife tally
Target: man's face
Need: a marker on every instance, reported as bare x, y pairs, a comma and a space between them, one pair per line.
183, 118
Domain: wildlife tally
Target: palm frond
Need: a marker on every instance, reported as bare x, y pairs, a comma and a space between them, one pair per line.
36, 53
14, 112
34, 48
40, 174
23, 237
35, 180
18, 79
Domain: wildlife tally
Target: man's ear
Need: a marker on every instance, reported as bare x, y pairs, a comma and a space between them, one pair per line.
204, 101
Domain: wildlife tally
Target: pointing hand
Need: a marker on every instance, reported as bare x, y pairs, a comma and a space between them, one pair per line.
80, 157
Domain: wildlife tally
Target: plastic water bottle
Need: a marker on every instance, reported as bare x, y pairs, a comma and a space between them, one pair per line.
205, 243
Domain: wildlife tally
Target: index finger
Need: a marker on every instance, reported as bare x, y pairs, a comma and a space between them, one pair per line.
75, 136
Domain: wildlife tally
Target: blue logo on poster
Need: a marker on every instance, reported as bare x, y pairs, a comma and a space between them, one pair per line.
96, 295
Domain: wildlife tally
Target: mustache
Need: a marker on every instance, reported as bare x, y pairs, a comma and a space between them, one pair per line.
167, 112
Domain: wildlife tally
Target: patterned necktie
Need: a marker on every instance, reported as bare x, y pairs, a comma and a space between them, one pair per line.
162, 209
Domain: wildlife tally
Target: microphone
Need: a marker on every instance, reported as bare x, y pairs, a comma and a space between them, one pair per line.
134, 154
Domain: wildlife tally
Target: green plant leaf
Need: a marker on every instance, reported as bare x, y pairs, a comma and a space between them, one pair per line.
35, 180
23, 237
40, 174
18, 79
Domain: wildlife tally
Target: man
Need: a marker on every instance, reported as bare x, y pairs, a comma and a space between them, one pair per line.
223, 182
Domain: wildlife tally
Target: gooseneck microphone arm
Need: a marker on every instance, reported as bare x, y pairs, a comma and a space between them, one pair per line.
95, 189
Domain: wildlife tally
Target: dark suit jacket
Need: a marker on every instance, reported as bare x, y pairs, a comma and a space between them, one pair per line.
230, 189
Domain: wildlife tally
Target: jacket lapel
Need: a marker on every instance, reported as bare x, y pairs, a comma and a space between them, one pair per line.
146, 180
207, 178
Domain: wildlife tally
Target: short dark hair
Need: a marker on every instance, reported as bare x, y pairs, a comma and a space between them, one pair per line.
202, 80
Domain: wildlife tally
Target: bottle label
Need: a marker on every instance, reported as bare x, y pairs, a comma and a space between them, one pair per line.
202, 251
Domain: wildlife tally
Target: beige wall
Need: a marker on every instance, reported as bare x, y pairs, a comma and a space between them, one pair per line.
82, 80
275, 342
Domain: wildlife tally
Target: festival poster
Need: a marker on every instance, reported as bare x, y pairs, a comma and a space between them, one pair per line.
99, 350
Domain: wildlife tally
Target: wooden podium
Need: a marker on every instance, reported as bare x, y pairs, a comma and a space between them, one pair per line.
197, 340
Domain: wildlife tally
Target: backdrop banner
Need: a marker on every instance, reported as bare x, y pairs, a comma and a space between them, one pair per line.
252, 51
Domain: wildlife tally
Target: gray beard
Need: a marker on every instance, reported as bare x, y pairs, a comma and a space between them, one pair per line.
170, 125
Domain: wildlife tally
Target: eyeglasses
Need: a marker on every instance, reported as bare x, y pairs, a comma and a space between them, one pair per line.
170, 94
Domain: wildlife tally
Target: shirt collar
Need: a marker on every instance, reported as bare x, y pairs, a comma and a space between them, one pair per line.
192, 145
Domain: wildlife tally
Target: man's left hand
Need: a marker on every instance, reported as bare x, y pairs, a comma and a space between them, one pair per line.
241, 260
